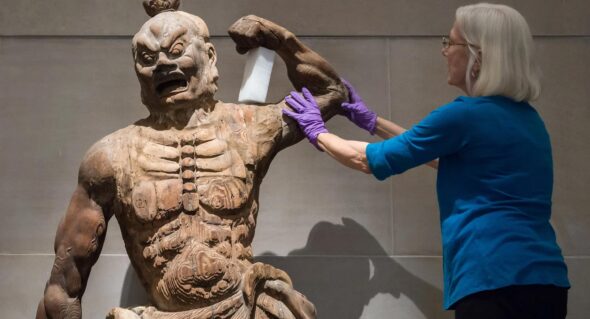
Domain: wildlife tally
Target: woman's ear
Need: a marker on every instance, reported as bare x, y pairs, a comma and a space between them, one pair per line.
476, 64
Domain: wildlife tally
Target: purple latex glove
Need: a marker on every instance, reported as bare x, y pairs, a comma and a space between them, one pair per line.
357, 111
307, 115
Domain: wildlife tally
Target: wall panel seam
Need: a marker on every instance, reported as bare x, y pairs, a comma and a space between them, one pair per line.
294, 257
389, 101
352, 37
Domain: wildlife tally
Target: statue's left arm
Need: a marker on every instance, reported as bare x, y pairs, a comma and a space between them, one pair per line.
304, 68
80, 236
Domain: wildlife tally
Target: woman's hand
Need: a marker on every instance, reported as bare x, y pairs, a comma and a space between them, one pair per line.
357, 111
307, 115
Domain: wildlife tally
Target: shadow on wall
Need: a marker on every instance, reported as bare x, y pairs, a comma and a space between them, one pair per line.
349, 267
132, 293
342, 287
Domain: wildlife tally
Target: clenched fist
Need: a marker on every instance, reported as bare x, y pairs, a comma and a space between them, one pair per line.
250, 32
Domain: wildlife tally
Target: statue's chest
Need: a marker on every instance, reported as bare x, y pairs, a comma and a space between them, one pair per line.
209, 167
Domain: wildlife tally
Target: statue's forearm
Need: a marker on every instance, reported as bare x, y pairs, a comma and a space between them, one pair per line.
307, 68
65, 286
56, 304
78, 242
304, 66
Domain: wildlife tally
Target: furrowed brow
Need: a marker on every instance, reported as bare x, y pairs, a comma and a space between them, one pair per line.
170, 40
147, 43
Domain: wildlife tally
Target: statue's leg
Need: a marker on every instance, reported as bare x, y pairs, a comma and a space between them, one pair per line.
283, 302
272, 308
261, 314
228, 308
270, 289
122, 313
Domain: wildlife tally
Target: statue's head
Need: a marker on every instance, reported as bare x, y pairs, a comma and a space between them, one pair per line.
174, 62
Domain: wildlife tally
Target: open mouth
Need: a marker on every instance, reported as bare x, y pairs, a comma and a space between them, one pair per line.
171, 85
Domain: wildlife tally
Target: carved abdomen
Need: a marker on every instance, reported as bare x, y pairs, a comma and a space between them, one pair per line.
155, 200
190, 196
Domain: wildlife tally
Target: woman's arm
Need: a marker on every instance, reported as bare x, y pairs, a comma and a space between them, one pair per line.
357, 111
348, 153
360, 114
387, 129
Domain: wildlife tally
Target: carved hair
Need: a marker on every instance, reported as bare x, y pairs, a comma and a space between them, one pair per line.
153, 7
501, 35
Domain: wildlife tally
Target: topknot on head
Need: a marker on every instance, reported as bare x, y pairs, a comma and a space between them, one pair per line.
153, 7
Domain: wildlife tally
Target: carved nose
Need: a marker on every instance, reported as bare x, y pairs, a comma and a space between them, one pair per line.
164, 63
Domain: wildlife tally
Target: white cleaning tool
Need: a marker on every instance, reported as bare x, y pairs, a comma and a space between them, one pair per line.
257, 72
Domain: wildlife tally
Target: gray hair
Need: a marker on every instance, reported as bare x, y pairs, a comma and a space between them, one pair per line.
501, 37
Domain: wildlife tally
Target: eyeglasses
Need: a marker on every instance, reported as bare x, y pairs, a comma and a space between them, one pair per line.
447, 43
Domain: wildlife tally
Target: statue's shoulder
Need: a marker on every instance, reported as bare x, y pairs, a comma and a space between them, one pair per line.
114, 142
99, 164
267, 117
252, 114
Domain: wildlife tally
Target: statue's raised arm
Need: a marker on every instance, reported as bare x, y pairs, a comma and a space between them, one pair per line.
305, 67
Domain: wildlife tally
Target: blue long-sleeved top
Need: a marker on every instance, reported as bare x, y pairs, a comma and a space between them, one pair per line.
494, 185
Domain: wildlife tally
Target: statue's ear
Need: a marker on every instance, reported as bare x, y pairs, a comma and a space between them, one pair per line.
212, 54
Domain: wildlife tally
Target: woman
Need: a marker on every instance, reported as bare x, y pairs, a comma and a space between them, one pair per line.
495, 174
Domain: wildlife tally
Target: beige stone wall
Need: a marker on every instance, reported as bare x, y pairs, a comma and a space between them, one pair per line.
66, 79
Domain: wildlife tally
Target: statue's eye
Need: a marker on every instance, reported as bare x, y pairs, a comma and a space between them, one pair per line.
177, 50
148, 57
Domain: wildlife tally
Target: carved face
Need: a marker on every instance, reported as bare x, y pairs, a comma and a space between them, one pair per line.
175, 65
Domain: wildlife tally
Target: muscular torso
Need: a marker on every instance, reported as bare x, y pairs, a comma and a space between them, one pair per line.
187, 201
